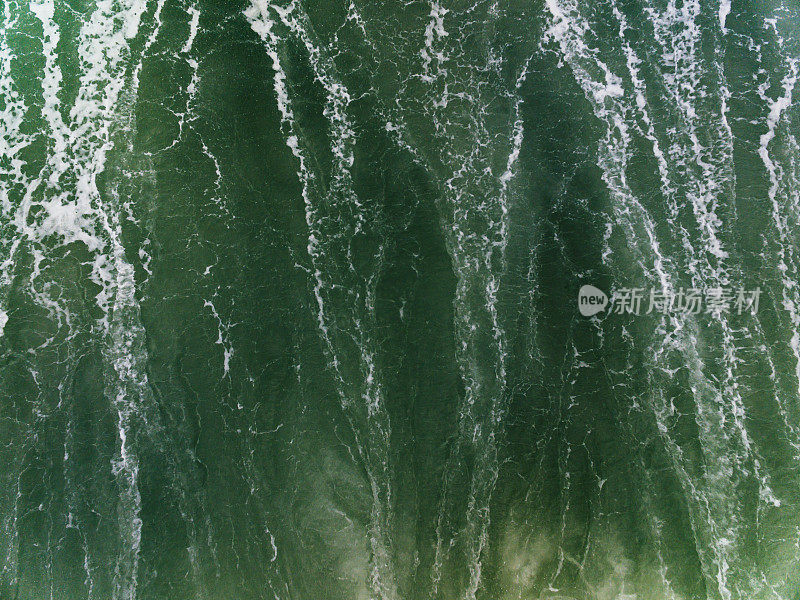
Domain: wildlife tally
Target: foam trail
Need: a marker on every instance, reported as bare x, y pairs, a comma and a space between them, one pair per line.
604, 89
724, 11
12, 142
708, 266
104, 45
472, 193
77, 212
323, 247
715, 160
791, 294
13, 183
705, 189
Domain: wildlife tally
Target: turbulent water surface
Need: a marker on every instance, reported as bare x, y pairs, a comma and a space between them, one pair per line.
288, 299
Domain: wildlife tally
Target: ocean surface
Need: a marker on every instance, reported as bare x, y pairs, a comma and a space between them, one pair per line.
289, 300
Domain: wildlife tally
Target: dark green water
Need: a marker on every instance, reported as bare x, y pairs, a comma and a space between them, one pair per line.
288, 300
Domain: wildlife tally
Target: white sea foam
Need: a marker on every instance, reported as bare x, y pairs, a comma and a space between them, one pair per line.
472, 192
222, 337
716, 163
72, 210
325, 248
724, 11
193, 27
791, 295
568, 29
13, 180
434, 32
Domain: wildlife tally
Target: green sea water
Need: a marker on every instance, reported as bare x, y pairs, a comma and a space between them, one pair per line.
289, 300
